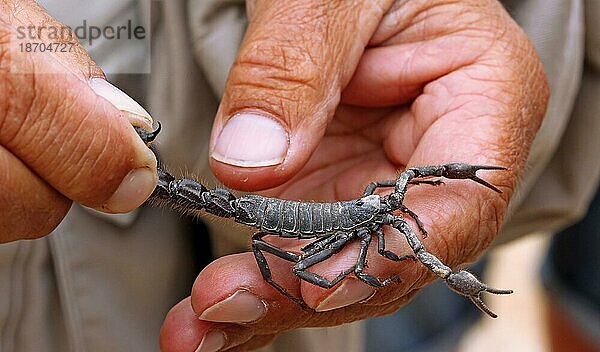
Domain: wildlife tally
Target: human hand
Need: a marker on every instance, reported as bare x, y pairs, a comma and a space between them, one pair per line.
65, 133
360, 90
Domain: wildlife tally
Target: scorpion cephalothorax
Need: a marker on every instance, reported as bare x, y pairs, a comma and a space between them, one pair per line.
331, 225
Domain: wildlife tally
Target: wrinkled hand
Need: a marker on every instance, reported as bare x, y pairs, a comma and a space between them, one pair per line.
345, 93
61, 139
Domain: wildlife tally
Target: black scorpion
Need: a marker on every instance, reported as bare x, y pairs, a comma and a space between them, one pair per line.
331, 225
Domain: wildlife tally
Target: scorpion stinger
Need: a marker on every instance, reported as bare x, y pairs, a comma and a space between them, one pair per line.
331, 226
146, 136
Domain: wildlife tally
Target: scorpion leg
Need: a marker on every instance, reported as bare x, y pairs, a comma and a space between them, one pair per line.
426, 182
371, 187
361, 264
462, 282
391, 183
341, 240
374, 185
259, 245
317, 245
415, 217
389, 254
327, 252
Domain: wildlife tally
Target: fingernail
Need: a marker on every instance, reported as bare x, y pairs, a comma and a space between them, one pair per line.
241, 307
251, 139
349, 292
135, 188
213, 341
137, 115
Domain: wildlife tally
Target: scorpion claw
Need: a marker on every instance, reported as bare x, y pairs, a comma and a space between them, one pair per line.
466, 284
485, 183
498, 291
466, 171
489, 167
479, 304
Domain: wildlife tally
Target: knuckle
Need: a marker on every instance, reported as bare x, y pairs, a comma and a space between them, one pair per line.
268, 64
281, 80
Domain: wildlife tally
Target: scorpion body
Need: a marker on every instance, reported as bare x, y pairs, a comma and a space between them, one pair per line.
330, 225
305, 219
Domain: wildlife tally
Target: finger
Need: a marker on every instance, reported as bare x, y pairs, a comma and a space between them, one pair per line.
69, 126
411, 49
256, 343
232, 290
285, 86
30, 208
182, 331
390, 75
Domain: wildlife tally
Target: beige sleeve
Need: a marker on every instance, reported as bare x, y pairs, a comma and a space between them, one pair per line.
563, 167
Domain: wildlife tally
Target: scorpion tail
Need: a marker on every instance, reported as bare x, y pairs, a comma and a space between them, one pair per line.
189, 196
186, 195
162, 190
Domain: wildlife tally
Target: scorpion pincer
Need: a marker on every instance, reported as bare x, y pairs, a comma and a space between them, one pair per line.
331, 225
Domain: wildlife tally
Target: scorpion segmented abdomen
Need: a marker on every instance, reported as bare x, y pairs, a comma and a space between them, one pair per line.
272, 211
304, 219
289, 217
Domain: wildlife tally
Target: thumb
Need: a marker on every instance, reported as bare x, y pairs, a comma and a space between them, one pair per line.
285, 85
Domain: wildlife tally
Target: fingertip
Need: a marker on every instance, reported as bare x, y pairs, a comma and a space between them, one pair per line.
232, 290
136, 114
133, 191
222, 278
127, 156
182, 330
250, 151
242, 306
400, 276
252, 157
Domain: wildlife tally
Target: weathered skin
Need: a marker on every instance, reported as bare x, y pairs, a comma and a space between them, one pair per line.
333, 225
